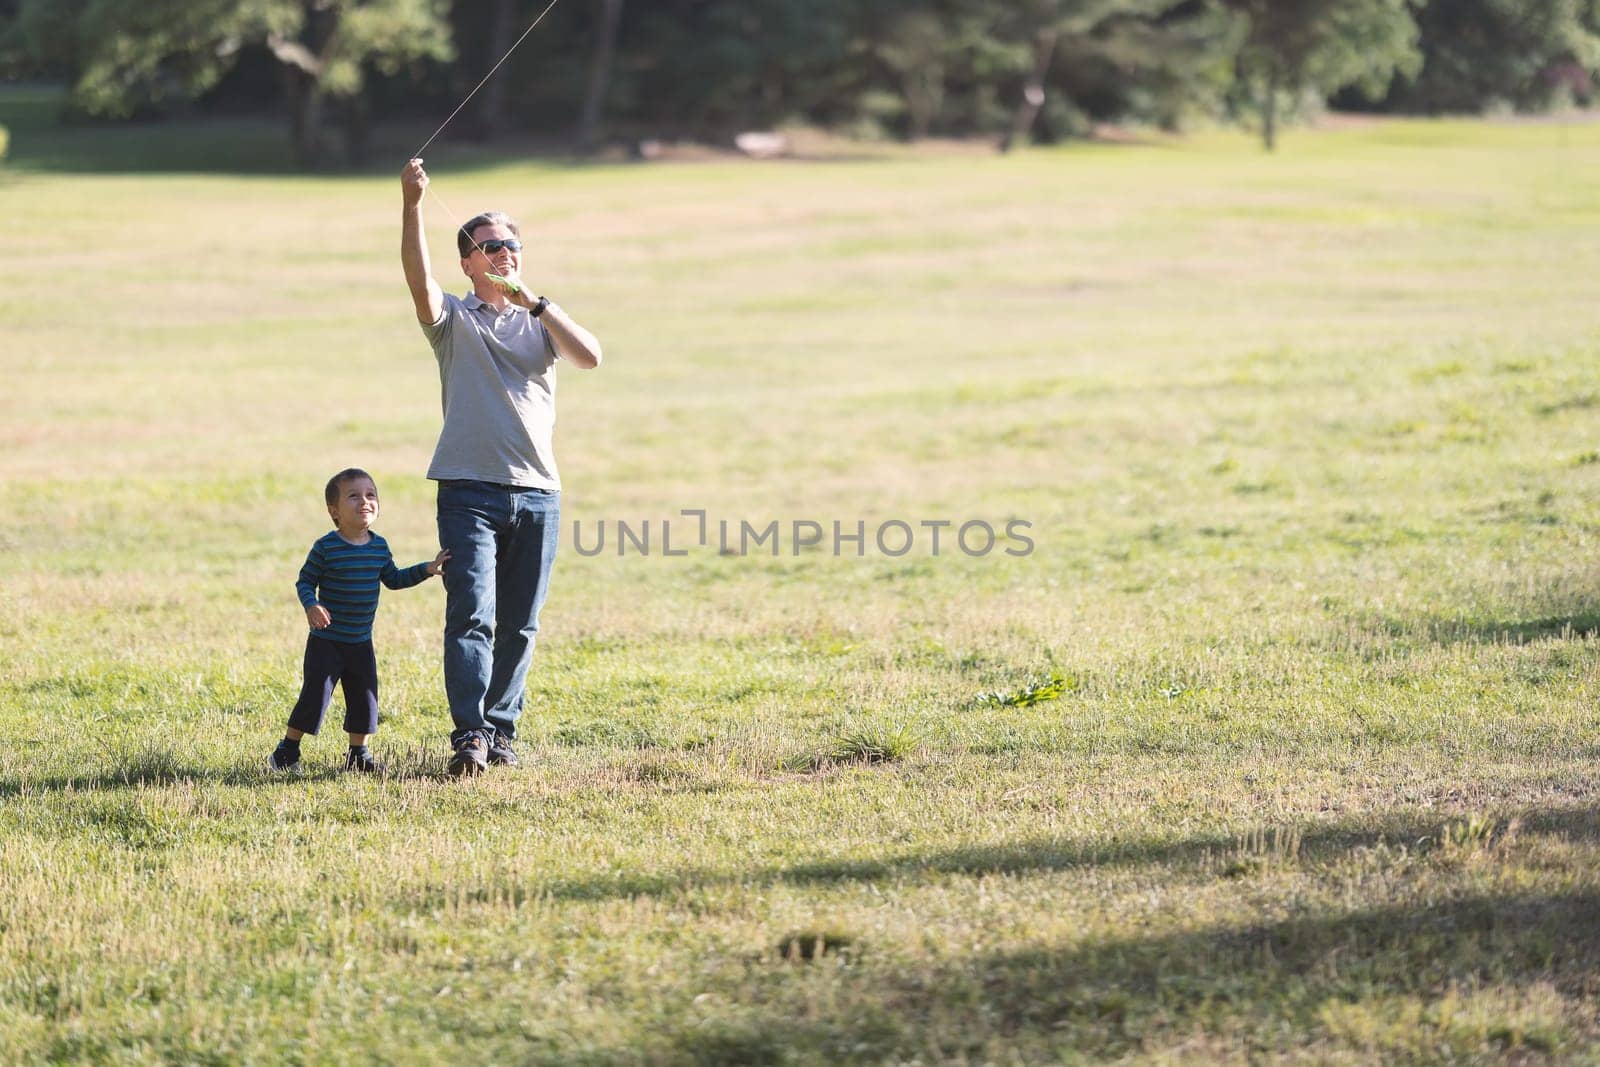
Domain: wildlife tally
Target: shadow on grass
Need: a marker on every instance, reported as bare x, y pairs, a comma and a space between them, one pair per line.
1271, 987
1574, 625
1563, 605
136, 777
156, 766
1310, 845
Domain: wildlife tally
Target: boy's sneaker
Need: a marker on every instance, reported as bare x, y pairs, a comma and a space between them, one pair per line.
501, 754
285, 759
360, 761
471, 756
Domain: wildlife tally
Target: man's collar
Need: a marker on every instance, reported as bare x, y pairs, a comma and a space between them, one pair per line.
473, 302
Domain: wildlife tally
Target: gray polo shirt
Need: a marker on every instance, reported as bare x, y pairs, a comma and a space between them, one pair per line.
497, 379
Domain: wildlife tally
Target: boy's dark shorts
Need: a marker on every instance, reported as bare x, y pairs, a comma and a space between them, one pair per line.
335, 662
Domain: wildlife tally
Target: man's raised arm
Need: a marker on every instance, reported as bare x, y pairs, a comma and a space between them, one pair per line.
425, 292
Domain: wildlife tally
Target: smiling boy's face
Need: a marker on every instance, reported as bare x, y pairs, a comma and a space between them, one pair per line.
357, 507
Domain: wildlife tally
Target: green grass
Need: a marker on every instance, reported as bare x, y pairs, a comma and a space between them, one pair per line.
1281, 746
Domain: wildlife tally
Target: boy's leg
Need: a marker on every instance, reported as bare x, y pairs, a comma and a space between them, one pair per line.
322, 669
521, 584
472, 518
320, 674
360, 705
360, 682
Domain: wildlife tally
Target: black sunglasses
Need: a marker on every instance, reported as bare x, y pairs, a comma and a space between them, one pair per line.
490, 247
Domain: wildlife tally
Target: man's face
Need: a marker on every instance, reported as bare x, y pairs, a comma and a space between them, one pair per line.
357, 507
501, 261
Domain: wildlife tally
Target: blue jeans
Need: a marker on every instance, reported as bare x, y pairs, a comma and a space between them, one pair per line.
502, 540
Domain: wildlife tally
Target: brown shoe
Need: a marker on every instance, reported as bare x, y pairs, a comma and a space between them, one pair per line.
470, 757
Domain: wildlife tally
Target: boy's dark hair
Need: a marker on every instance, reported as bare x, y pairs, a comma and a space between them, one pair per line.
464, 242
349, 474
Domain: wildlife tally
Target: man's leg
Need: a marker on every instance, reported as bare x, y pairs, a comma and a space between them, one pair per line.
472, 518
522, 582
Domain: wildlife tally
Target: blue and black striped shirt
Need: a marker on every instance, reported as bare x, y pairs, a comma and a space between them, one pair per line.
344, 579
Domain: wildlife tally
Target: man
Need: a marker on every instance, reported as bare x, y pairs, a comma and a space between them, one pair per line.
499, 493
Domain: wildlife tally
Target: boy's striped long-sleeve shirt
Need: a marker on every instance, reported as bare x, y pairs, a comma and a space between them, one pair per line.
344, 579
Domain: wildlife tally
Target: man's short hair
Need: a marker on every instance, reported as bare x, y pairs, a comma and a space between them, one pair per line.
464, 241
349, 474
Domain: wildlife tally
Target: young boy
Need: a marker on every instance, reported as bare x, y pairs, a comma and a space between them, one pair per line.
345, 567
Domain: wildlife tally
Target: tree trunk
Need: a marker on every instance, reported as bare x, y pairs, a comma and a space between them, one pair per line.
502, 26
923, 89
1269, 111
304, 61
1044, 49
305, 116
594, 94
357, 122
309, 149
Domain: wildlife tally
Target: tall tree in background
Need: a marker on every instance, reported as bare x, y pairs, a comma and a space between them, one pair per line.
502, 35
1011, 69
1167, 69
914, 47
1295, 46
1517, 53
42, 39
709, 68
598, 82
1046, 23
139, 53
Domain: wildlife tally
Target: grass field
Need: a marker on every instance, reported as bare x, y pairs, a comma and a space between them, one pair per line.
1308, 446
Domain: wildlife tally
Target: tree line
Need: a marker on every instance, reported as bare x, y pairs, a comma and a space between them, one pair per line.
1015, 70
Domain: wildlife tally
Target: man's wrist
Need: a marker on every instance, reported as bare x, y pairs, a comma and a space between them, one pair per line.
540, 306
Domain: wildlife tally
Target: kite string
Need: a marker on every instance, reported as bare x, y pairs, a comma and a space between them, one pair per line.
418, 153
427, 190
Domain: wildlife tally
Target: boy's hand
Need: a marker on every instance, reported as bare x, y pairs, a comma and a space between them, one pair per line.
318, 617
437, 566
